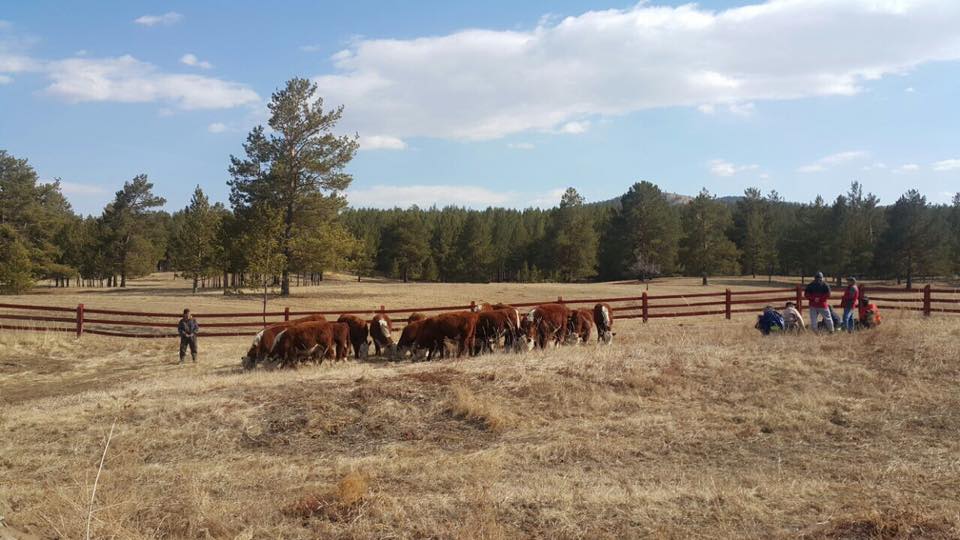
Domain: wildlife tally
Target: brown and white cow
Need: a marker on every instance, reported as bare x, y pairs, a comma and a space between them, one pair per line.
546, 323
457, 326
380, 331
263, 341
501, 320
603, 318
359, 332
580, 325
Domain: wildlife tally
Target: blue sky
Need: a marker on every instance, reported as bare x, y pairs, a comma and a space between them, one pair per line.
496, 103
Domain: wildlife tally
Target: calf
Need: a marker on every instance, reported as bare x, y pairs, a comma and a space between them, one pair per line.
546, 323
264, 340
359, 333
380, 331
580, 325
603, 318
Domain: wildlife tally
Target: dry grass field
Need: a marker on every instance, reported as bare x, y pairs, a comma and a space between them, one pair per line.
686, 428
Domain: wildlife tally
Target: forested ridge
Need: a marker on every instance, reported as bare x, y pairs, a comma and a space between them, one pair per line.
288, 222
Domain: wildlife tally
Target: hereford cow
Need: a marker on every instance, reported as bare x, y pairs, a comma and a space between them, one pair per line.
380, 331
514, 313
263, 341
494, 324
408, 339
458, 326
341, 340
414, 317
580, 325
603, 318
546, 323
358, 335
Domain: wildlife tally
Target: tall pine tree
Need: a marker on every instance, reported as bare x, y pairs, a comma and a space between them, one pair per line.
705, 249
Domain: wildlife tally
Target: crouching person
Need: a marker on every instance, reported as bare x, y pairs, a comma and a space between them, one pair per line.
869, 313
769, 321
792, 319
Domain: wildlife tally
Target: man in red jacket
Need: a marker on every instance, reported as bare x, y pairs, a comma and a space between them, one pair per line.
850, 303
817, 294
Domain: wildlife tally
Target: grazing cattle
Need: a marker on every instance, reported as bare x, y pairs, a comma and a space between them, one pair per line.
341, 340
546, 323
478, 307
580, 325
603, 318
414, 317
380, 331
303, 341
408, 339
264, 340
358, 335
500, 321
458, 326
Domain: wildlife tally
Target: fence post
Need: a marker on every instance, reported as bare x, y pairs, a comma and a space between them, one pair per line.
799, 297
286, 313
727, 305
646, 306
926, 301
79, 320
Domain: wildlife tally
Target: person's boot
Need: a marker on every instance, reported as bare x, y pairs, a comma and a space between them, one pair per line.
194, 358
181, 361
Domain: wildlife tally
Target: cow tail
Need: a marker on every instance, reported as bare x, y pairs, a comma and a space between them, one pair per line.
276, 340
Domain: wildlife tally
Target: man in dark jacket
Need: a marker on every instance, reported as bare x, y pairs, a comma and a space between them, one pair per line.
817, 294
188, 329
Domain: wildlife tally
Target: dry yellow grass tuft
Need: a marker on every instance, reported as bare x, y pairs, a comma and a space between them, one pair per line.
692, 429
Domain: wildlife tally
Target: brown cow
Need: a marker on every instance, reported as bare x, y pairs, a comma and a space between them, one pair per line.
603, 318
263, 341
459, 326
514, 313
408, 339
580, 325
546, 323
341, 339
358, 335
492, 325
380, 331
414, 317
310, 340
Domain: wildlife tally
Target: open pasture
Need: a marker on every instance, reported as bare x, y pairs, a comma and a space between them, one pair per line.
685, 428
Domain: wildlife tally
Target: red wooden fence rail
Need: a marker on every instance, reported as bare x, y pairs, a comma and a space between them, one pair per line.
641, 307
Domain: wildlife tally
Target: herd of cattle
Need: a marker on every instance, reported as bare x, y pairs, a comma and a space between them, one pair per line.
485, 328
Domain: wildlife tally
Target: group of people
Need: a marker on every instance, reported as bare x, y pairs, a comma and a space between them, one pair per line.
858, 311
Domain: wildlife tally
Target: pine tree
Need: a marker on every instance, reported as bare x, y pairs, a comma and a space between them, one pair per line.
133, 243
643, 236
193, 246
473, 250
573, 246
15, 267
404, 247
705, 249
297, 171
753, 232
910, 244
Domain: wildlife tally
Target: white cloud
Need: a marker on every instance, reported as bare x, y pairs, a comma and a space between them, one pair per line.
545, 200
128, 80
191, 60
574, 128
910, 90
521, 146
484, 84
707, 108
166, 19
5, 79
381, 142
907, 168
382, 196
217, 127
742, 109
72, 188
311, 48
833, 160
947, 165
879, 165
719, 167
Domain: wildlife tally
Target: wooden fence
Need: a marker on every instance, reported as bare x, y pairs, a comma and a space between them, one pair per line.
107, 322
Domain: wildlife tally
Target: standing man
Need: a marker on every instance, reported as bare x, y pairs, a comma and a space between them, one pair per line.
850, 302
188, 328
818, 294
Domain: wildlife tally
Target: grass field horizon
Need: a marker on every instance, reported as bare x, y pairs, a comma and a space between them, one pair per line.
685, 428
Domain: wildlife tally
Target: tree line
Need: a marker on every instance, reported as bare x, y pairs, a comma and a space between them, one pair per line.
288, 222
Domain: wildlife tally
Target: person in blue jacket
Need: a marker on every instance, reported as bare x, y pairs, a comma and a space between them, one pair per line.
188, 329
